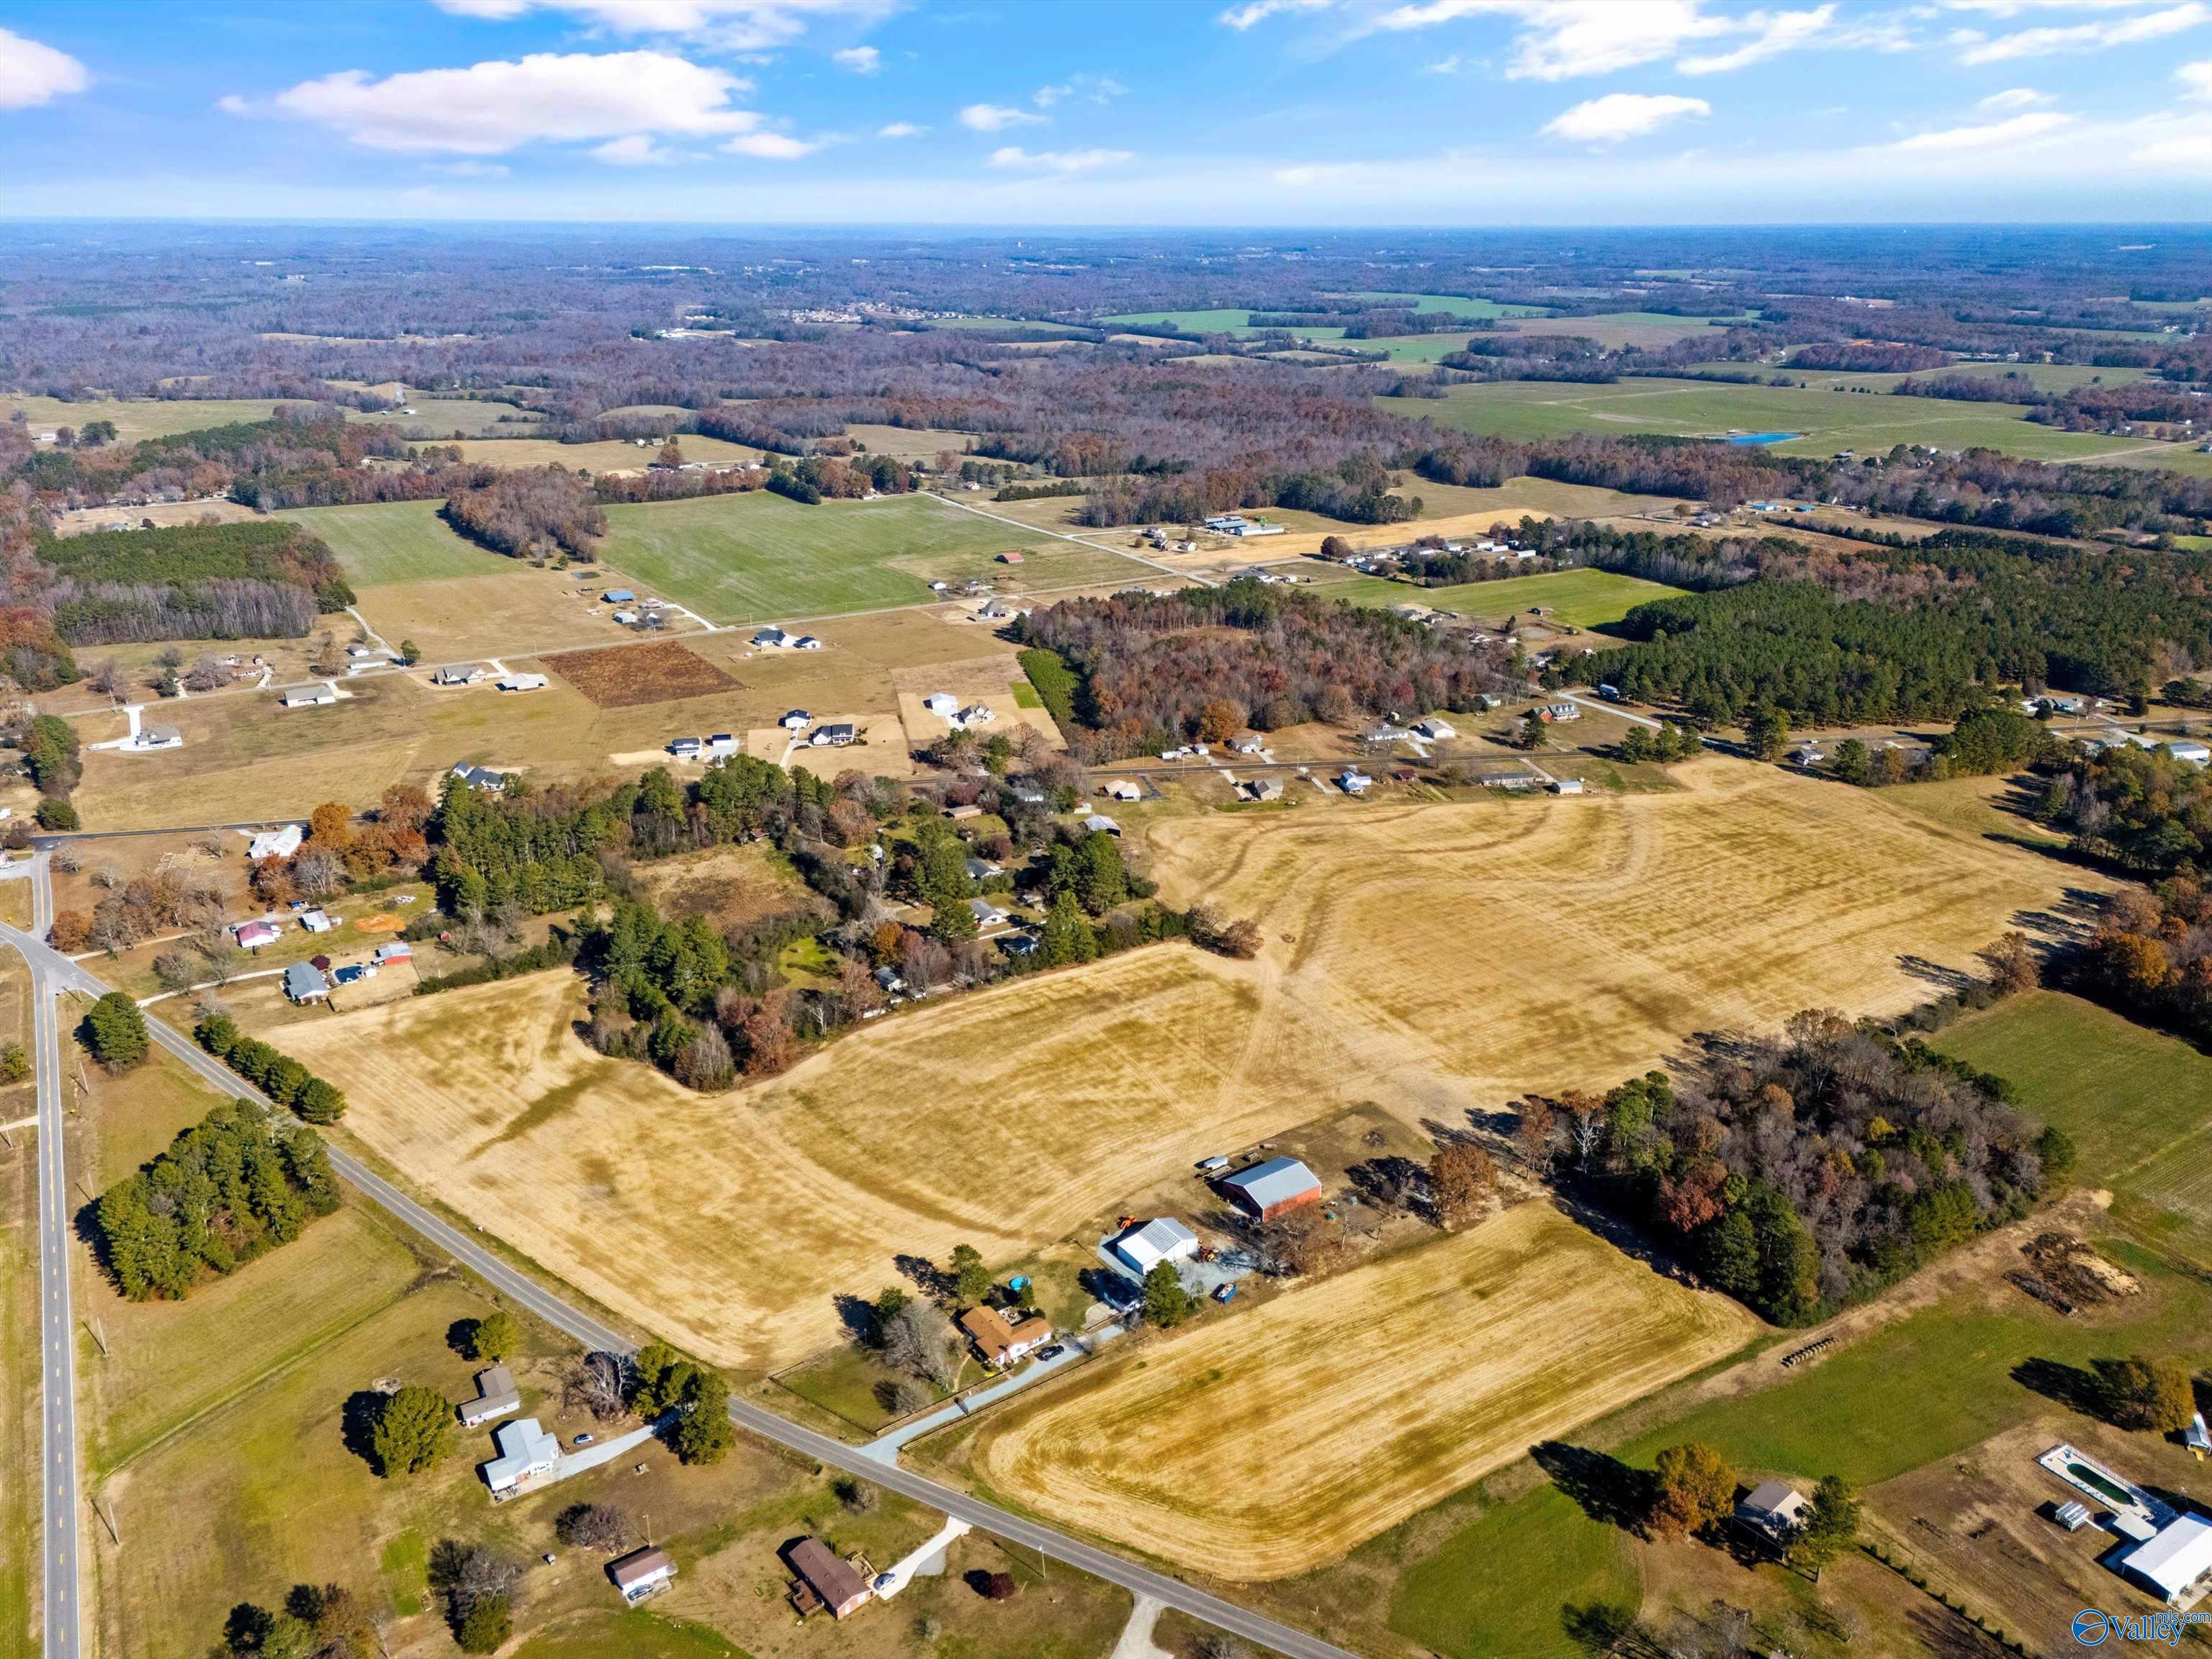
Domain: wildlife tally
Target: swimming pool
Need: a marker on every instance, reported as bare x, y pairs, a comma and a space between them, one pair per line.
1764, 437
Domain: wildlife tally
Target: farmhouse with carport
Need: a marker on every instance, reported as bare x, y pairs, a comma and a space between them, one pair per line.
824, 1581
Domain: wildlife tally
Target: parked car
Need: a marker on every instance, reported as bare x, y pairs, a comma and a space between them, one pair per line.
583, 1440
1224, 1292
1051, 1351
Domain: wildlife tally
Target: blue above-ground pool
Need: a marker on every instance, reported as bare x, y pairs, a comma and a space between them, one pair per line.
1764, 437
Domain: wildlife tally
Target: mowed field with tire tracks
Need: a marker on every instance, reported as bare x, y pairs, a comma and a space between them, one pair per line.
1270, 1442
1433, 959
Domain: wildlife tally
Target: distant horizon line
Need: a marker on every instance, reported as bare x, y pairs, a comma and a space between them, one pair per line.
1114, 227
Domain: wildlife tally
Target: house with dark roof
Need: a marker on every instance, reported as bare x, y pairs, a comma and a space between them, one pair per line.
824, 1581
641, 1573
496, 1395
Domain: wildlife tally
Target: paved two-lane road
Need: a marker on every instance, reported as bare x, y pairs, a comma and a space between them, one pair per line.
60, 1507
63, 974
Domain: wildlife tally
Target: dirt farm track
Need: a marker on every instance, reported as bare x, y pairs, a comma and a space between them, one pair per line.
1431, 959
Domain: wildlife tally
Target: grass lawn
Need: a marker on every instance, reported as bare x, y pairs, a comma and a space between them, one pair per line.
636, 1634
843, 1382
1584, 598
1495, 1586
386, 541
2137, 1102
1827, 421
142, 417
758, 557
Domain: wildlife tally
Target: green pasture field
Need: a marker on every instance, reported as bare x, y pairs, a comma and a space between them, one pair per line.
2185, 458
1541, 1546
757, 556
386, 541
2137, 1102
140, 417
1827, 421
436, 418
2045, 377
1027, 324
1458, 304
1581, 598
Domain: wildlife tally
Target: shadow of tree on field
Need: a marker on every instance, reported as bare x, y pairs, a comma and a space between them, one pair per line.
1606, 1489
2077, 1389
357, 1426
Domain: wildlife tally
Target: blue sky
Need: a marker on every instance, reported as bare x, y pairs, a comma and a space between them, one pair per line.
1139, 111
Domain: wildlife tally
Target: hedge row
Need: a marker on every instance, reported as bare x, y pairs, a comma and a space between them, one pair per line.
283, 1078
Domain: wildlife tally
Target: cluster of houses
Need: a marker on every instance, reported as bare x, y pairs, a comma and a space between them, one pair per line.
2187, 751
314, 979
1380, 561
775, 639
836, 734
713, 748
961, 717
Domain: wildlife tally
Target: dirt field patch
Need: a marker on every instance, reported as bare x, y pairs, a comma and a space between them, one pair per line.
1268, 1442
641, 673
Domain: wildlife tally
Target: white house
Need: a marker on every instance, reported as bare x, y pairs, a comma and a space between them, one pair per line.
796, 720
641, 1573
722, 743
310, 696
1436, 729
526, 1451
157, 737
806, 642
2190, 753
2170, 1563
1122, 789
976, 714
1353, 781
1163, 1239
771, 639
942, 702
524, 683
1099, 824
1566, 786
1563, 711
987, 914
278, 843
685, 747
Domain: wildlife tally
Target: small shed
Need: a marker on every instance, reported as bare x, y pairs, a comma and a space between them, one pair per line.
396, 949
1773, 1509
641, 1573
1265, 1190
796, 720
941, 702
1099, 824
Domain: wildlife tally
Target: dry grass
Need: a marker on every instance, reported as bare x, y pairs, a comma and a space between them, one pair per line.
1268, 1442
610, 456
166, 515
644, 673
1432, 959
514, 611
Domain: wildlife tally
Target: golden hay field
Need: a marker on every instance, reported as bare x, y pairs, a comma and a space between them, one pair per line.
1271, 1443
1432, 959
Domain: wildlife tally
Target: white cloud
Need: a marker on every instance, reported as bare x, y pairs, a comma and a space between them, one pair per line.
1058, 161
1258, 11
732, 24
2021, 7
1778, 32
770, 146
2080, 37
861, 60
1445, 65
635, 151
2014, 97
32, 74
1561, 38
1091, 88
996, 118
469, 169
901, 129
1621, 115
490, 108
2196, 78
1994, 135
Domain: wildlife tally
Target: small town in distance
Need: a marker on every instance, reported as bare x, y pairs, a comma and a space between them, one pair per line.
872, 830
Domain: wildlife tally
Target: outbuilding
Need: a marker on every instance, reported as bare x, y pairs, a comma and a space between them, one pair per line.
524, 683
641, 1573
1162, 1239
2190, 753
1773, 1509
618, 595
796, 720
278, 843
2173, 1561
1436, 729
1265, 1190
1099, 824
252, 935
1122, 789
941, 702
496, 1395
310, 697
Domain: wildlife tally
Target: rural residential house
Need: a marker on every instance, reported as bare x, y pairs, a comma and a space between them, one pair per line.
480, 777
987, 914
824, 1581
1261, 788
1163, 1239
310, 696
393, 950
1561, 711
157, 737
304, 983
1265, 1190
999, 1343
496, 1395
835, 735
278, 843
796, 720
316, 921
458, 673
1773, 1510
252, 935
526, 1451
1122, 789
641, 1573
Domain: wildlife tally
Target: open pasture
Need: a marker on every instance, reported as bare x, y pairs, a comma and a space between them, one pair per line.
139, 417
1458, 304
1267, 1443
382, 543
758, 558
1617, 330
1591, 936
731, 1223
1827, 421
907, 443
441, 420
1581, 599
166, 515
513, 608
607, 455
